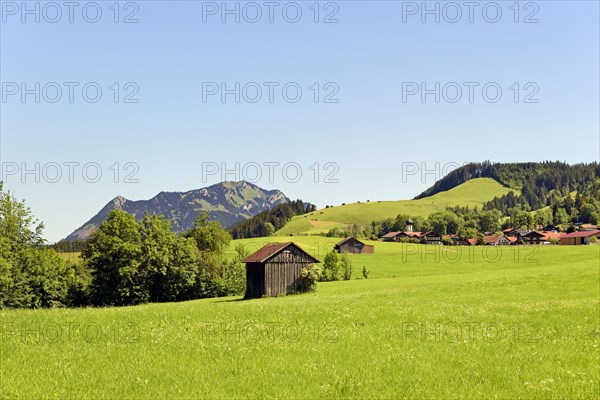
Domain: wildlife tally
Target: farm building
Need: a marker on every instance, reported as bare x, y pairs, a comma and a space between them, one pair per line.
459, 240
533, 237
576, 238
431, 238
397, 236
587, 227
391, 237
551, 228
498, 240
354, 246
510, 232
552, 235
275, 269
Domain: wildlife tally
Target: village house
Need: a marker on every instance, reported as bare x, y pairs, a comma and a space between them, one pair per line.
510, 232
587, 227
275, 269
577, 238
397, 236
551, 228
354, 246
552, 235
499, 240
533, 237
459, 240
430, 238
391, 237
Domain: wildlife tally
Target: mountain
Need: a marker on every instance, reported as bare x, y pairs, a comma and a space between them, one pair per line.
226, 202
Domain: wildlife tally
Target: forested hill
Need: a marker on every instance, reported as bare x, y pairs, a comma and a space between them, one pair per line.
269, 221
539, 184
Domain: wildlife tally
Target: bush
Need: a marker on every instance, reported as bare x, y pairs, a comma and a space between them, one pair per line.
346, 266
308, 279
447, 242
365, 273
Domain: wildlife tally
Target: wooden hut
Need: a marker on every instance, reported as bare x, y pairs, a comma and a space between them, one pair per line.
275, 269
354, 246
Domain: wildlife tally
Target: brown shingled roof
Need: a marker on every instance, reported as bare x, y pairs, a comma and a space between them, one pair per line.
581, 234
391, 234
269, 250
341, 242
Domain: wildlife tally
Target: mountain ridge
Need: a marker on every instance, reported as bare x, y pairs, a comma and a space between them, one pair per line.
227, 202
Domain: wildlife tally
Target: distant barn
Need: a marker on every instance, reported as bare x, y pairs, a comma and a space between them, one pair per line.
577, 238
275, 269
354, 246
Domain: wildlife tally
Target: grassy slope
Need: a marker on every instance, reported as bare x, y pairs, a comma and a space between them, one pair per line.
472, 193
524, 325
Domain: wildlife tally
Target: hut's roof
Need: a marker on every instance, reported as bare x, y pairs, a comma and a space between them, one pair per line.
269, 250
581, 234
341, 242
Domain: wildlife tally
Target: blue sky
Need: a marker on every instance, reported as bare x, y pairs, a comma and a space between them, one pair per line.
372, 57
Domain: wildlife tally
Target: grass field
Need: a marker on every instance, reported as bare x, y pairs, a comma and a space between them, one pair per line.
523, 323
72, 257
472, 193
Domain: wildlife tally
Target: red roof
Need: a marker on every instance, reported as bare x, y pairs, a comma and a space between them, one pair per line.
581, 234
495, 238
417, 234
550, 235
391, 234
270, 250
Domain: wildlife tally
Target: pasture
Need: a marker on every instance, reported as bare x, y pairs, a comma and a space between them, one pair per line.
472, 193
495, 323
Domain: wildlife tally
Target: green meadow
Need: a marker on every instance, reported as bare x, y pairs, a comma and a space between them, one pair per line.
429, 322
472, 193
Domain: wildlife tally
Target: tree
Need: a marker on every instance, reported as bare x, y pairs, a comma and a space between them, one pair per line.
212, 241
488, 221
346, 266
234, 274
209, 235
114, 256
168, 264
560, 216
269, 229
331, 267
30, 276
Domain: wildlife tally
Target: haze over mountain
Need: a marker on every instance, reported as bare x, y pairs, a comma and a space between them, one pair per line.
226, 202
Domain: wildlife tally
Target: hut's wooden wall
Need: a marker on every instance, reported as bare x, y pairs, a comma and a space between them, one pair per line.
282, 272
255, 279
356, 248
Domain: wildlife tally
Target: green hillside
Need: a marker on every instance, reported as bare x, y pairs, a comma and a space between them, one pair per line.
518, 322
472, 193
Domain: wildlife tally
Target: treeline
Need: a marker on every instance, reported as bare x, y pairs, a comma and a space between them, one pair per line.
541, 184
69, 247
565, 208
124, 262
31, 275
269, 221
584, 207
465, 222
